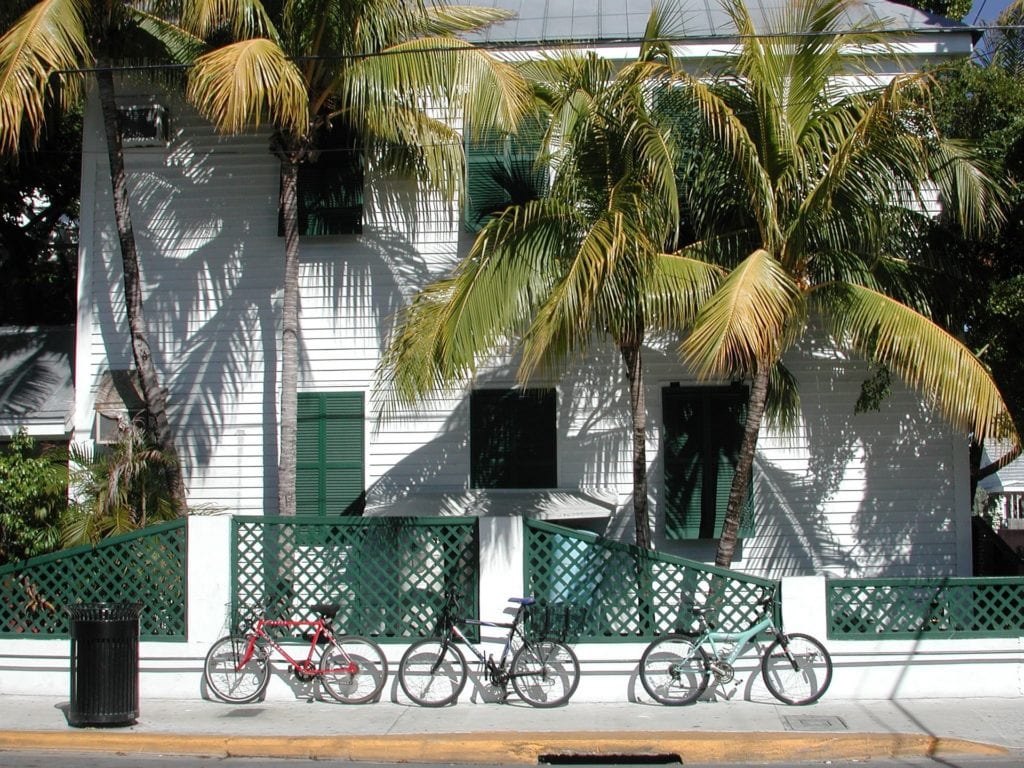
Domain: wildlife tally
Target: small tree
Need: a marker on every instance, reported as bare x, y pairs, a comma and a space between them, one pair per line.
33, 499
117, 491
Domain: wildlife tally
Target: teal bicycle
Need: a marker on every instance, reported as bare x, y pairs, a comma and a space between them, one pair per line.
677, 668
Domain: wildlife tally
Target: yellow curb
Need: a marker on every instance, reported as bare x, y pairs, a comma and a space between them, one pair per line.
512, 747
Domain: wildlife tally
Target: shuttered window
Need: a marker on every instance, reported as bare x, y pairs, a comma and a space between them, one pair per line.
703, 433
330, 187
502, 171
329, 454
512, 438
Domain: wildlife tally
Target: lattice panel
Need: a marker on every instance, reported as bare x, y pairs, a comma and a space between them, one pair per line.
147, 567
629, 593
388, 574
939, 608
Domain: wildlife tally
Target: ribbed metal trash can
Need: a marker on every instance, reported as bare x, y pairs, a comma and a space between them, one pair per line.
104, 664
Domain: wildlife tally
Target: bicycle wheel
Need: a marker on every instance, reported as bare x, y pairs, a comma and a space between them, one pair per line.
545, 673
674, 670
797, 669
432, 672
227, 679
353, 669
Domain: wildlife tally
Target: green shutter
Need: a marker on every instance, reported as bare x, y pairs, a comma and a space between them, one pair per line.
503, 170
330, 187
513, 443
329, 454
703, 433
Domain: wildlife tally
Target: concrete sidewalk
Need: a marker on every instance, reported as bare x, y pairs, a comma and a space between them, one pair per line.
514, 733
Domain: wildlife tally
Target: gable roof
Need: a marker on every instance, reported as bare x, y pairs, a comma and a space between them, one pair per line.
610, 21
36, 381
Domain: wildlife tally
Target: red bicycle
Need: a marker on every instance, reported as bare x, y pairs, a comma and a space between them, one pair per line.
352, 669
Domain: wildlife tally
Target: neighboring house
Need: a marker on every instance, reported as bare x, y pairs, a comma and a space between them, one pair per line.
1003, 496
882, 493
37, 392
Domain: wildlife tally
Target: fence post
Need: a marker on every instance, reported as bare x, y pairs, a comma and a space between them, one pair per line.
501, 564
209, 576
805, 605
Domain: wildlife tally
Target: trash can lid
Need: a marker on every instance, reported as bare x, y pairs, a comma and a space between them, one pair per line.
105, 611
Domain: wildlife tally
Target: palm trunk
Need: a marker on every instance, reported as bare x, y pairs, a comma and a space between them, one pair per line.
289, 332
738, 493
154, 395
638, 412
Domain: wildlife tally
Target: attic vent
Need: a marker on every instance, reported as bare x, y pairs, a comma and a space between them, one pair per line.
118, 399
144, 125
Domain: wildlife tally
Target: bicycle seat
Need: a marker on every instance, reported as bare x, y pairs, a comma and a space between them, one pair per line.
523, 600
327, 610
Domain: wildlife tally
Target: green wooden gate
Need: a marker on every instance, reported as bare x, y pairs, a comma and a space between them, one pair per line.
388, 573
628, 593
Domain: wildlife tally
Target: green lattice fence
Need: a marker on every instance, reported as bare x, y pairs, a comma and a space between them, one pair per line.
147, 567
388, 574
629, 593
937, 608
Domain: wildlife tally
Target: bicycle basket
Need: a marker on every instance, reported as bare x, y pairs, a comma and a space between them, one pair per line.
555, 621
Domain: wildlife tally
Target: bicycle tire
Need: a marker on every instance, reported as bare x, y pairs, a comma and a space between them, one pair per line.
432, 672
674, 670
545, 673
224, 678
353, 669
797, 669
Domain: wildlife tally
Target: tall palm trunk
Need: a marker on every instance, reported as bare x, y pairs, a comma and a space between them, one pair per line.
290, 155
738, 493
638, 412
154, 395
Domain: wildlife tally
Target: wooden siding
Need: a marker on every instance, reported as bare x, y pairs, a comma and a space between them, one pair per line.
862, 495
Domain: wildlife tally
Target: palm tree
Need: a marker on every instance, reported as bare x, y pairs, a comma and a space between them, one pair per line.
586, 261
372, 70
829, 178
44, 56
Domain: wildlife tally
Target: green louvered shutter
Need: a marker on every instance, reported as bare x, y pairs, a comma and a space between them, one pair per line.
329, 454
703, 432
684, 476
512, 438
503, 170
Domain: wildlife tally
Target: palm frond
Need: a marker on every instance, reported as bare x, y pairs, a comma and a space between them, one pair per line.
747, 323
239, 85
927, 357
49, 39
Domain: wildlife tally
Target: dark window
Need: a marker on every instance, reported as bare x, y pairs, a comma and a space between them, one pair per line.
502, 171
330, 187
703, 432
329, 454
512, 438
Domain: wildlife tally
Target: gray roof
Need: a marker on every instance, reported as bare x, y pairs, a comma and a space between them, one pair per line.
624, 20
36, 380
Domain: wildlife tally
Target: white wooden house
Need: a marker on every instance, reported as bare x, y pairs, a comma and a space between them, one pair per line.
883, 493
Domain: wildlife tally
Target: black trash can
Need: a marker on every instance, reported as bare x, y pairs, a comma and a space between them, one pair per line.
104, 664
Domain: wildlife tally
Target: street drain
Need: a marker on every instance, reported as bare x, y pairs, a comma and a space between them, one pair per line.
631, 759
814, 723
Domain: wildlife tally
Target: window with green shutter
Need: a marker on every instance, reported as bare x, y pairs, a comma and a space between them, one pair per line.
702, 437
512, 438
330, 187
503, 170
329, 454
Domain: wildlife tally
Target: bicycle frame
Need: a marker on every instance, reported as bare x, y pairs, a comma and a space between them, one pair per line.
495, 670
740, 640
304, 666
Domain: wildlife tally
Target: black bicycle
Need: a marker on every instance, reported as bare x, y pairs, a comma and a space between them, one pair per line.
543, 671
